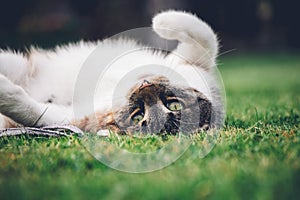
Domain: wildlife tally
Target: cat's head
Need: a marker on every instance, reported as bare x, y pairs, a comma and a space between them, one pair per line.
156, 106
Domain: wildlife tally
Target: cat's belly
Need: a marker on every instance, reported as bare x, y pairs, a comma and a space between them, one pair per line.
51, 89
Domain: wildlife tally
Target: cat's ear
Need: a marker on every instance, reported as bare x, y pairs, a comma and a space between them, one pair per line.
103, 133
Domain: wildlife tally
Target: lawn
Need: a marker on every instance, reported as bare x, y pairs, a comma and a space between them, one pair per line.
257, 155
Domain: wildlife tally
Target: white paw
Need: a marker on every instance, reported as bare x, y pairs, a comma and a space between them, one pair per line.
103, 133
1, 122
174, 25
186, 28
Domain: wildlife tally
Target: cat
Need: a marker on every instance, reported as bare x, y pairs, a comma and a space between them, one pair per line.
38, 87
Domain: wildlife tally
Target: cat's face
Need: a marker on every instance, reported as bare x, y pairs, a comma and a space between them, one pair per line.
157, 107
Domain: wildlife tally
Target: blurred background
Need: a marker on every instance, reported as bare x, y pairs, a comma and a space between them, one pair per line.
247, 25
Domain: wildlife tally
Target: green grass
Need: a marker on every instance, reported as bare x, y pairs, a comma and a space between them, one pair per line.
257, 155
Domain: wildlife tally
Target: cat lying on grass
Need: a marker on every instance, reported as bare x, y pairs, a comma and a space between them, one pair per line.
37, 87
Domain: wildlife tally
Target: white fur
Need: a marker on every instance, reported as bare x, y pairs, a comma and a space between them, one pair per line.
26, 84
2, 123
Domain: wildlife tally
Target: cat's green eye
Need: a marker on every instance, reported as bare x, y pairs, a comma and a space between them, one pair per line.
175, 106
137, 118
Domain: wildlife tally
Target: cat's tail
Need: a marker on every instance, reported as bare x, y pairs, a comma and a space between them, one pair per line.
198, 44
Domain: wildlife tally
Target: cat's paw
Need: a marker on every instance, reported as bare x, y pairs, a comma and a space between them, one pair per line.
175, 25
184, 27
103, 133
167, 24
2, 122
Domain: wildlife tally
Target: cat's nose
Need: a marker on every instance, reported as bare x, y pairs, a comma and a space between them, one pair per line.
145, 84
156, 118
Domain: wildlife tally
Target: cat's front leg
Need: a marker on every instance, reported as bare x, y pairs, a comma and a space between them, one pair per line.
16, 104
